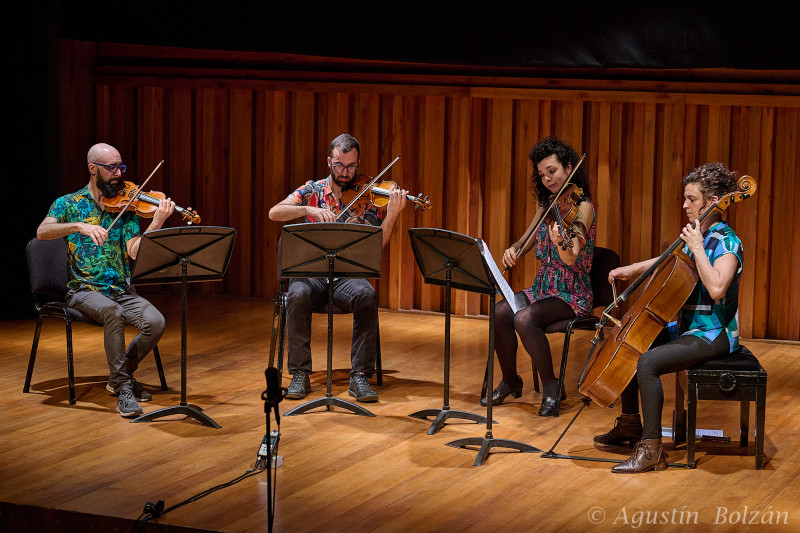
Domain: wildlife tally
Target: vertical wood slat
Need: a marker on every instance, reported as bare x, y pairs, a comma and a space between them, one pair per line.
638, 153
240, 189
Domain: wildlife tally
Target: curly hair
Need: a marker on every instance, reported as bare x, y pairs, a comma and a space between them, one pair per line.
566, 155
713, 179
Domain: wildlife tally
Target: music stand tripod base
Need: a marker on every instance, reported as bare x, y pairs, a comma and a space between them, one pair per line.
329, 402
487, 443
443, 414
189, 410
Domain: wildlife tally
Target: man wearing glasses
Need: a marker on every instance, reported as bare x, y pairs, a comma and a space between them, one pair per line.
99, 270
315, 200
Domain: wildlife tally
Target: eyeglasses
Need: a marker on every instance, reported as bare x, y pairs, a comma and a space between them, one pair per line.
338, 167
113, 168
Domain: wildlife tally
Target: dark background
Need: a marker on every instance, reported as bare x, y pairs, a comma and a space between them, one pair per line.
607, 35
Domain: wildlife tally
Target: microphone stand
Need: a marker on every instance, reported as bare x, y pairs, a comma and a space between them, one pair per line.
272, 398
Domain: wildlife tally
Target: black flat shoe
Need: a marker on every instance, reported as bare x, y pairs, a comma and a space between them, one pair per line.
549, 404
499, 394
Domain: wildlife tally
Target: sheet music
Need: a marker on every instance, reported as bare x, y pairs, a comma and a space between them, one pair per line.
505, 288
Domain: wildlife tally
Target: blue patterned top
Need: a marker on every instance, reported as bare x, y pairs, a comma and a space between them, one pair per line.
702, 316
106, 269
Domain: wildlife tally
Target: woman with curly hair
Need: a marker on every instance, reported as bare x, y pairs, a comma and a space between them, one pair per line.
562, 288
708, 325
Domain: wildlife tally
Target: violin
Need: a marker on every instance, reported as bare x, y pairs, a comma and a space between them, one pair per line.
144, 204
563, 210
361, 193
564, 213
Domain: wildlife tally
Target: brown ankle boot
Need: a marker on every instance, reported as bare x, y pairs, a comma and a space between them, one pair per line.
627, 428
648, 454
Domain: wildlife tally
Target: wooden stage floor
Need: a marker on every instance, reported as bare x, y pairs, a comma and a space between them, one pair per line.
84, 468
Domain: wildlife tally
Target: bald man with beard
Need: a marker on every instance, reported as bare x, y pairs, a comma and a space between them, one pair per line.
99, 270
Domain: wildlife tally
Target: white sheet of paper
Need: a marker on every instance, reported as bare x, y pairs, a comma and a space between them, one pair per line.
505, 288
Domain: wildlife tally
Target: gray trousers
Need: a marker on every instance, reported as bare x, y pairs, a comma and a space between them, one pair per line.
115, 313
354, 295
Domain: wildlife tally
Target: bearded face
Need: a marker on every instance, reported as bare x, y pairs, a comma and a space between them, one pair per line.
111, 187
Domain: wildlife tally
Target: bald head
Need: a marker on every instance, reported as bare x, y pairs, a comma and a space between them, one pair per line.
102, 153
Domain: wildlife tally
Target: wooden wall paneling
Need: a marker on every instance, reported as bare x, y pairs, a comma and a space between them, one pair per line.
477, 173
392, 126
275, 183
648, 176
178, 171
212, 162
781, 234
669, 174
262, 226
725, 134
302, 147
714, 135
151, 139
240, 191
523, 201
785, 290
498, 215
461, 200
640, 144
793, 134
605, 136
431, 165
79, 104
740, 214
406, 127
764, 198
366, 127
124, 125
103, 117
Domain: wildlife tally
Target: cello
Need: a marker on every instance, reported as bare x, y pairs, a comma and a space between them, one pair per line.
670, 280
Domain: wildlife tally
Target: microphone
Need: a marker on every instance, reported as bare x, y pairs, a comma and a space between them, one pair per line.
274, 391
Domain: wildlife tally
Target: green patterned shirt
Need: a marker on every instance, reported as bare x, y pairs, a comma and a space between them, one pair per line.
103, 269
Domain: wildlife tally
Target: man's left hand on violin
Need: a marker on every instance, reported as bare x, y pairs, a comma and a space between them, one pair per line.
397, 200
165, 208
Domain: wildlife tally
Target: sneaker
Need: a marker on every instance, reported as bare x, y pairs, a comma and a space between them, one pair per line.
359, 387
300, 386
127, 406
138, 391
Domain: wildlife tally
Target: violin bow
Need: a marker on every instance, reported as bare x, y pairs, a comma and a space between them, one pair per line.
550, 207
368, 186
135, 195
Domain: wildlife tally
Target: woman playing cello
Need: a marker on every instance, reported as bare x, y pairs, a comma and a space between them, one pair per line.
708, 320
562, 288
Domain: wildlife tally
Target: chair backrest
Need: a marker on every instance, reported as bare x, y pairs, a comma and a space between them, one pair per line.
603, 262
47, 268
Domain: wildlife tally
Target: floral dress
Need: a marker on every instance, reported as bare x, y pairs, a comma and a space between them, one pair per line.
555, 278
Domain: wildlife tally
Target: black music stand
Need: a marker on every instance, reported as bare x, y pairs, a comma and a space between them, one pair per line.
454, 260
182, 255
330, 250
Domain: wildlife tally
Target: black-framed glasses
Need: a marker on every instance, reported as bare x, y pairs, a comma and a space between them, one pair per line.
113, 168
338, 167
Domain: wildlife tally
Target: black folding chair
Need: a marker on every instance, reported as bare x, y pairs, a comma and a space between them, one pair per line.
48, 275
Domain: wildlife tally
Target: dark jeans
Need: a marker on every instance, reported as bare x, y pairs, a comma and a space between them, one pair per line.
115, 313
353, 295
665, 358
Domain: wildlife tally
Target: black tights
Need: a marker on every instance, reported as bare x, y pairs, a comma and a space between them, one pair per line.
673, 356
529, 323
